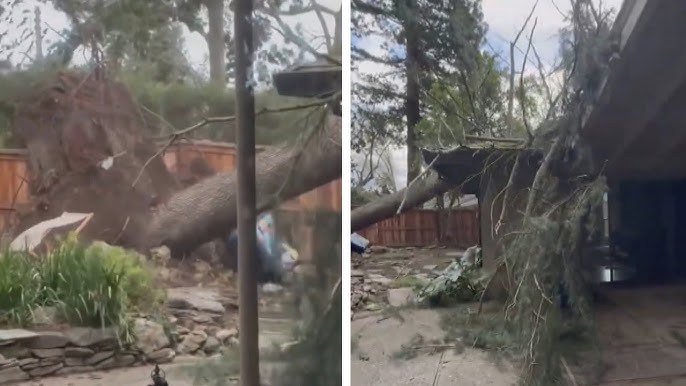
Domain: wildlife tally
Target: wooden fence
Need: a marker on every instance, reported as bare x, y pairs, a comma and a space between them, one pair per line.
14, 190
423, 227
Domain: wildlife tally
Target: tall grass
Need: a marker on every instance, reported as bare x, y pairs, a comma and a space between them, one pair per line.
93, 286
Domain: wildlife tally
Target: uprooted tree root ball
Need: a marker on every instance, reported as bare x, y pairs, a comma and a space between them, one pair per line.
71, 127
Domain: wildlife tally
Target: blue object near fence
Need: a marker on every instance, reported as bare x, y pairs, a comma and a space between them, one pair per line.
274, 256
358, 243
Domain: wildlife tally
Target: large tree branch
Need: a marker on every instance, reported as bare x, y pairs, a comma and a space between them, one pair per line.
287, 32
364, 7
322, 21
511, 93
418, 193
313, 7
522, 91
366, 55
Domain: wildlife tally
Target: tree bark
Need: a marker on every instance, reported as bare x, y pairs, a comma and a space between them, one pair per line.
418, 193
412, 113
207, 210
215, 41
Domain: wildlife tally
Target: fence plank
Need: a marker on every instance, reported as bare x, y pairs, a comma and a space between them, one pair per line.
421, 228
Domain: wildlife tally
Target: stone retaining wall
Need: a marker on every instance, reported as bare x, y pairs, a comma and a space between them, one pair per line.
193, 329
32, 354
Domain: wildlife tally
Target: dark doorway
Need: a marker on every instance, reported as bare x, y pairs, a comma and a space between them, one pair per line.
648, 222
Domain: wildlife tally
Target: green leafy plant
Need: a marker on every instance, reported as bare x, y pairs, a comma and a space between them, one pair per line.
94, 286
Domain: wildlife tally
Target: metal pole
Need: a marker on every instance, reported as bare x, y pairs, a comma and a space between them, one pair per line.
247, 239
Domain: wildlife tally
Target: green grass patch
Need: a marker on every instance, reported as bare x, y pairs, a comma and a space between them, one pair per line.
408, 281
486, 331
92, 286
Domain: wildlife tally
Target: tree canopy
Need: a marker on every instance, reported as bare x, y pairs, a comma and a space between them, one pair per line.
433, 48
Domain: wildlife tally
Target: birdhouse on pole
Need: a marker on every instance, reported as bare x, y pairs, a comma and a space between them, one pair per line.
321, 79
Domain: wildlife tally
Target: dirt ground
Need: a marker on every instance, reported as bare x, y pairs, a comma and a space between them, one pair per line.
642, 331
398, 262
392, 268
380, 340
377, 342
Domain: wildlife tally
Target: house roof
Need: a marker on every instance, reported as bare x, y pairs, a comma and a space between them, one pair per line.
466, 201
464, 165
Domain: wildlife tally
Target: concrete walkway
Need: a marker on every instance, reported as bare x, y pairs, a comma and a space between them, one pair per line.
643, 335
377, 339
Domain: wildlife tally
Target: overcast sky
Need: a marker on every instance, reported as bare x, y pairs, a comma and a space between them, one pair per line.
504, 19
196, 46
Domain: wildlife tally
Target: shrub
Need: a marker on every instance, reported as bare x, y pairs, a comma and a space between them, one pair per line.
19, 288
93, 286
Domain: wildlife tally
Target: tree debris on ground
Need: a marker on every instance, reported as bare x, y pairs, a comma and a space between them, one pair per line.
544, 254
462, 281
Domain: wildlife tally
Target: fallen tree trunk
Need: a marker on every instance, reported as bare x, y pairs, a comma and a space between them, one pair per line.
208, 209
418, 193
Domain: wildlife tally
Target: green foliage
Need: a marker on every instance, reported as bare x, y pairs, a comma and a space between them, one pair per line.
464, 104
137, 281
182, 104
448, 35
16, 87
359, 197
586, 45
410, 281
124, 24
456, 284
575, 340
175, 105
20, 289
163, 59
94, 286
545, 256
486, 331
